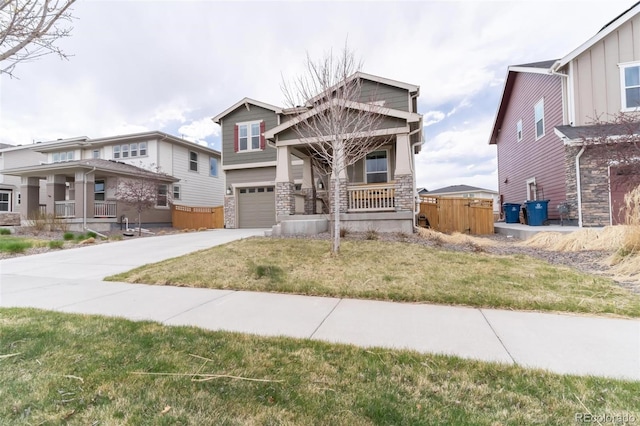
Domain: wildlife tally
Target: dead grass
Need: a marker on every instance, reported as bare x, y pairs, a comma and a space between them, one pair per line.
79, 369
391, 271
609, 238
455, 238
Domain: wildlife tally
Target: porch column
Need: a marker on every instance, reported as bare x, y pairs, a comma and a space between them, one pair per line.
403, 174
56, 191
82, 179
30, 197
285, 201
308, 187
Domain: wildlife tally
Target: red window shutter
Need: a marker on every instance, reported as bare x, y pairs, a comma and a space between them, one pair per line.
262, 140
235, 138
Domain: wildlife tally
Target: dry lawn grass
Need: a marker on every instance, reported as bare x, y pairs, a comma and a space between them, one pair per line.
78, 369
391, 271
609, 238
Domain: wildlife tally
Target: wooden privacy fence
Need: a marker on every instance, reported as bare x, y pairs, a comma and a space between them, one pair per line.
185, 217
464, 215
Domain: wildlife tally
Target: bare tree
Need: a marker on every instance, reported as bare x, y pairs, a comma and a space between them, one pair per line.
143, 192
334, 119
29, 29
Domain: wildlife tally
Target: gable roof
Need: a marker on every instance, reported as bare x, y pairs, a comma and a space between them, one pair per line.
409, 116
245, 102
605, 31
460, 188
543, 67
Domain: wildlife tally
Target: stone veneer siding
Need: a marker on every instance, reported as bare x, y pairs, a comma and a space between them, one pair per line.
10, 219
404, 193
309, 202
285, 200
229, 211
344, 202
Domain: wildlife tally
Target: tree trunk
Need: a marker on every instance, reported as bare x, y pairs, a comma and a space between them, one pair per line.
336, 215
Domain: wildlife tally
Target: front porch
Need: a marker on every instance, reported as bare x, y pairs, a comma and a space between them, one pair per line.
101, 209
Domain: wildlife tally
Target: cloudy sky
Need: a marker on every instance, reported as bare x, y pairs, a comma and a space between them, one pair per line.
172, 65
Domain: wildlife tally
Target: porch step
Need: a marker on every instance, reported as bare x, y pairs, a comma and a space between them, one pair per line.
304, 226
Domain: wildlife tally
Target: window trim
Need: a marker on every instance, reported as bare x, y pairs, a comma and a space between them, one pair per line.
192, 161
366, 174
250, 136
9, 194
519, 133
535, 119
623, 87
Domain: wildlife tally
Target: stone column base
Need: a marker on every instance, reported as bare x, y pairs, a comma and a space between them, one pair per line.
229, 211
285, 201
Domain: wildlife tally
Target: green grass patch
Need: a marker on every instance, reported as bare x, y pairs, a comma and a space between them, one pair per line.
56, 244
5, 231
68, 236
15, 244
391, 271
58, 368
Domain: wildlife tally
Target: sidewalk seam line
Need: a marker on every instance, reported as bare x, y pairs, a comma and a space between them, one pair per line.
93, 298
325, 318
197, 306
495, 333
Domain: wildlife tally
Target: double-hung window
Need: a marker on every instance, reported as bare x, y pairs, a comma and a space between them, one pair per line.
630, 78
193, 161
161, 199
134, 149
116, 152
5, 201
376, 167
99, 190
249, 136
213, 166
539, 118
125, 151
143, 148
519, 130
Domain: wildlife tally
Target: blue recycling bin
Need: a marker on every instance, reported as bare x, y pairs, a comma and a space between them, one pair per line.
537, 212
511, 212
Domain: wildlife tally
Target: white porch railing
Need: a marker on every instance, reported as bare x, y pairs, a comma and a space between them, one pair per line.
65, 209
369, 198
104, 209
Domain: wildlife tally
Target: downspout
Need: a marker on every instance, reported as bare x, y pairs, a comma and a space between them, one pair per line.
578, 189
84, 199
416, 206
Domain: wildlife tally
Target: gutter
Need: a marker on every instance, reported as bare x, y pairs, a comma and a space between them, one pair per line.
578, 186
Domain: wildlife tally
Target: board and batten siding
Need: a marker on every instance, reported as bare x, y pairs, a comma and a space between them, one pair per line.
241, 115
393, 97
542, 159
596, 73
262, 175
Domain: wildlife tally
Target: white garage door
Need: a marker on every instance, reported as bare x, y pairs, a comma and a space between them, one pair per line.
257, 207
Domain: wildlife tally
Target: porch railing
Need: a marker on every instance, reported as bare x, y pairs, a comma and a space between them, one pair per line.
369, 198
65, 209
104, 209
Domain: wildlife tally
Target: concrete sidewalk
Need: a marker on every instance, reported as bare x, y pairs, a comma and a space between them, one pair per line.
70, 281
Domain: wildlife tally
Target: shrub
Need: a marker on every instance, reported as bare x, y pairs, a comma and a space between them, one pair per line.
344, 232
91, 234
15, 246
371, 234
5, 231
56, 244
68, 236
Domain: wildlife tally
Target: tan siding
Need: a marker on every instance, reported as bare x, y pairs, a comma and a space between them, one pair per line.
597, 73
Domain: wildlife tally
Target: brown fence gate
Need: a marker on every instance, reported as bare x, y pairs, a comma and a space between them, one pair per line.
464, 215
185, 217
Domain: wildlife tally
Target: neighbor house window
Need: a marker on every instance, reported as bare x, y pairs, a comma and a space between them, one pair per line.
213, 166
519, 130
116, 152
125, 151
376, 167
176, 192
193, 161
249, 136
134, 149
143, 148
539, 117
630, 77
161, 199
58, 157
5, 201
99, 190
95, 153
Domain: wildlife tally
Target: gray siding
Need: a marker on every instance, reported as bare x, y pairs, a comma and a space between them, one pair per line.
393, 97
256, 113
385, 123
258, 174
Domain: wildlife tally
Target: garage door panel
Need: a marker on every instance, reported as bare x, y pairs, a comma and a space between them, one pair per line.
256, 207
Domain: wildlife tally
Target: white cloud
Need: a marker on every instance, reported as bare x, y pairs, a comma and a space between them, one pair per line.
198, 130
432, 117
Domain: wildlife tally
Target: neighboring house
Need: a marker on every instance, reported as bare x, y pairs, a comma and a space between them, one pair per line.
422, 191
548, 109
269, 173
77, 179
466, 191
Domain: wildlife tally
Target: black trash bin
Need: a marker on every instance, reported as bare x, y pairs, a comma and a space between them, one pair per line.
537, 212
511, 212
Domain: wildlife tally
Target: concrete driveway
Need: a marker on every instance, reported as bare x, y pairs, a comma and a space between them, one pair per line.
71, 281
